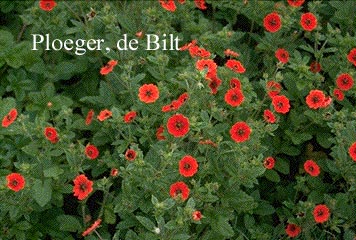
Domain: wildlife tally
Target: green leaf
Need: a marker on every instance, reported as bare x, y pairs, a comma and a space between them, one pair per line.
282, 166
181, 236
68, 223
42, 192
223, 227
264, 208
147, 223
272, 175
53, 172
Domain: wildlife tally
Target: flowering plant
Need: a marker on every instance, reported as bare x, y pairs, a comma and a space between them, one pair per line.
245, 131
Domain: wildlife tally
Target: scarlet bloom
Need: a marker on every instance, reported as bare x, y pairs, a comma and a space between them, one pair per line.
295, 3
179, 189
114, 172
104, 114
234, 97
308, 21
235, 66
272, 22
91, 151
196, 216
352, 151
82, 187
269, 162
214, 82
90, 229
130, 154
282, 55
159, 133
196, 51
230, 53
130, 116
344, 81
89, 117
183, 97
315, 67
148, 93
312, 168
188, 45
315, 99
15, 181
273, 88
51, 134
47, 5
200, 4
9, 118
168, 5
235, 83
240, 132
188, 166
293, 230
268, 116
321, 213
178, 125
281, 104
352, 56
206, 63
338, 94
108, 67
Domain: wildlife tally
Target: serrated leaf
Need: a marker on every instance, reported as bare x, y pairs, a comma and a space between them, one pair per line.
53, 172
264, 208
146, 222
282, 166
223, 227
68, 223
272, 175
42, 192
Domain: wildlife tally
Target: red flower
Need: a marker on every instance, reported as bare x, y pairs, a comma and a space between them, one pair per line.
269, 116
235, 66
230, 53
352, 56
295, 3
89, 117
214, 82
188, 166
196, 51
168, 5
235, 83
104, 114
338, 94
130, 154
114, 172
281, 104
312, 168
108, 67
178, 125
282, 55
293, 230
90, 229
344, 81
352, 151
240, 132
273, 88
308, 21
148, 93
179, 189
315, 67
15, 181
196, 216
188, 45
47, 5
321, 213
82, 187
51, 134
272, 22
9, 118
159, 133
130, 116
234, 97
269, 162
200, 4
315, 99
183, 97
91, 151
206, 63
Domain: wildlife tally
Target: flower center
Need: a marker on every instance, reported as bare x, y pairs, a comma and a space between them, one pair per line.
186, 166
179, 125
83, 187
